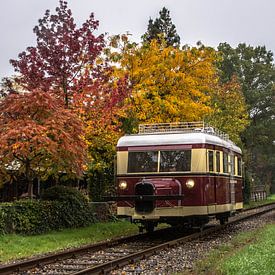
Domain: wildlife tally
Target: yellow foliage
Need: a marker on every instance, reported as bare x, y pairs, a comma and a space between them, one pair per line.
171, 85
168, 84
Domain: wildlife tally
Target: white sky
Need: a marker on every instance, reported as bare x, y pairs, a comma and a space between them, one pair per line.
210, 21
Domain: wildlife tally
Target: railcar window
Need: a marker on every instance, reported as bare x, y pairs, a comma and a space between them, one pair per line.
232, 165
225, 162
239, 166
211, 161
218, 159
143, 161
172, 161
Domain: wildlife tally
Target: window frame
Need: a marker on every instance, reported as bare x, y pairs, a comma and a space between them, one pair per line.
225, 163
218, 161
213, 161
158, 168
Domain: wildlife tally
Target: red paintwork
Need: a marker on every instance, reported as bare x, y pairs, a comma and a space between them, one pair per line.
208, 189
174, 147
166, 186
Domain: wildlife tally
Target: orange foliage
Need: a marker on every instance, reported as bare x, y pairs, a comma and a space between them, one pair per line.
39, 137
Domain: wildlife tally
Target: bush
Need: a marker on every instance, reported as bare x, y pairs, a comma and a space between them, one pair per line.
101, 182
63, 193
74, 203
64, 208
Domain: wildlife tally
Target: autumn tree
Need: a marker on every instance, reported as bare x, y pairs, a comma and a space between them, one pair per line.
102, 117
162, 27
68, 62
39, 137
168, 84
64, 58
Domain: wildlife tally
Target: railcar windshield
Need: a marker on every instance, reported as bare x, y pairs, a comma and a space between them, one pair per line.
173, 161
142, 162
159, 161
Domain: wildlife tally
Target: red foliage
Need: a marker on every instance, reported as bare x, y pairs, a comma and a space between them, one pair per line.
66, 62
41, 135
64, 57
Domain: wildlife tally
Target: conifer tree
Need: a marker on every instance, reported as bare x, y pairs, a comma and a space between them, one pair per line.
162, 27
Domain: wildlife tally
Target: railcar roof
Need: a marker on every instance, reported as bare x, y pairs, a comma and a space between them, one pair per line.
174, 139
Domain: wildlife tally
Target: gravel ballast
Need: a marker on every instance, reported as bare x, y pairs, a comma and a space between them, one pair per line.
183, 257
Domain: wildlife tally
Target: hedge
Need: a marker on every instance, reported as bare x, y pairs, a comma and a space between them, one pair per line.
63, 208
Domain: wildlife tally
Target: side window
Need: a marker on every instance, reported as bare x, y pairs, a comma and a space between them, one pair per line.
225, 162
142, 161
218, 162
173, 161
232, 164
210, 161
239, 166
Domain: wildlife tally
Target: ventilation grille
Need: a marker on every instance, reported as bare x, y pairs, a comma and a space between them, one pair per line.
144, 206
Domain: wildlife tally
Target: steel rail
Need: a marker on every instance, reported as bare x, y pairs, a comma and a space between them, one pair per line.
106, 267
53, 257
118, 263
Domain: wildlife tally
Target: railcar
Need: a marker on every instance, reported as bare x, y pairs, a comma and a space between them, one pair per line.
178, 173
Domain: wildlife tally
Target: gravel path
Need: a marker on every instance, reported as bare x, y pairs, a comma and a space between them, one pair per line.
182, 258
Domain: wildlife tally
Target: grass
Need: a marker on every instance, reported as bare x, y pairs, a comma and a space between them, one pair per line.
17, 246
248, 253
269, 199
255, 258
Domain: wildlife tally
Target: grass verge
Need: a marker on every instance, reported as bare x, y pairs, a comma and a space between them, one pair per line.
248, 253
17, 246
269, 199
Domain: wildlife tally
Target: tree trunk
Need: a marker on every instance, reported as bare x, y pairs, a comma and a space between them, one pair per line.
29, 180
30, 189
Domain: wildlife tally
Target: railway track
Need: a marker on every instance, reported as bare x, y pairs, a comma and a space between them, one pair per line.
106, 256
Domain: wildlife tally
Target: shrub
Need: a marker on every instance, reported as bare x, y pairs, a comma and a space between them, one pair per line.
77, 210
64, 208
64, 193
101, 181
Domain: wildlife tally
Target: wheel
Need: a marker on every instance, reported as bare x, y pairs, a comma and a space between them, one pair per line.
149, 227
223, 219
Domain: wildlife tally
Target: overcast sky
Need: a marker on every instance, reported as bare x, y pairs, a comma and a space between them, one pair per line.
211, 21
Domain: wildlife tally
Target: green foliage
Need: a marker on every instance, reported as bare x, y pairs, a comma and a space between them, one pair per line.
162, 27
230, 111
101, 180
69, 210
247, 186
28, 217
255, 71
63, 193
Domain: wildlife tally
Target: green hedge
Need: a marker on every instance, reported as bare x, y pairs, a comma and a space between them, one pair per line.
64, 208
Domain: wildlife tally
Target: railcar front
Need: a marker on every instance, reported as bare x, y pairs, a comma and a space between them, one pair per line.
178, 177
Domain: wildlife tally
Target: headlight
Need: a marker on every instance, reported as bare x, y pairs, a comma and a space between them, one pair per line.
122, 185
190, 183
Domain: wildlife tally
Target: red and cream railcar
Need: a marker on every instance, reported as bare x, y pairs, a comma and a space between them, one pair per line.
178, 173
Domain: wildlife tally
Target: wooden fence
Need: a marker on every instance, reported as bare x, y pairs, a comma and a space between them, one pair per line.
258, 193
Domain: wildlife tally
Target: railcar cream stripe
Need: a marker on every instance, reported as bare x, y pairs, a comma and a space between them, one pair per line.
179, 211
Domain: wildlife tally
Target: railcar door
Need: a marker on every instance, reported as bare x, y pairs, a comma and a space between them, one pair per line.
232, 180
210, 188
